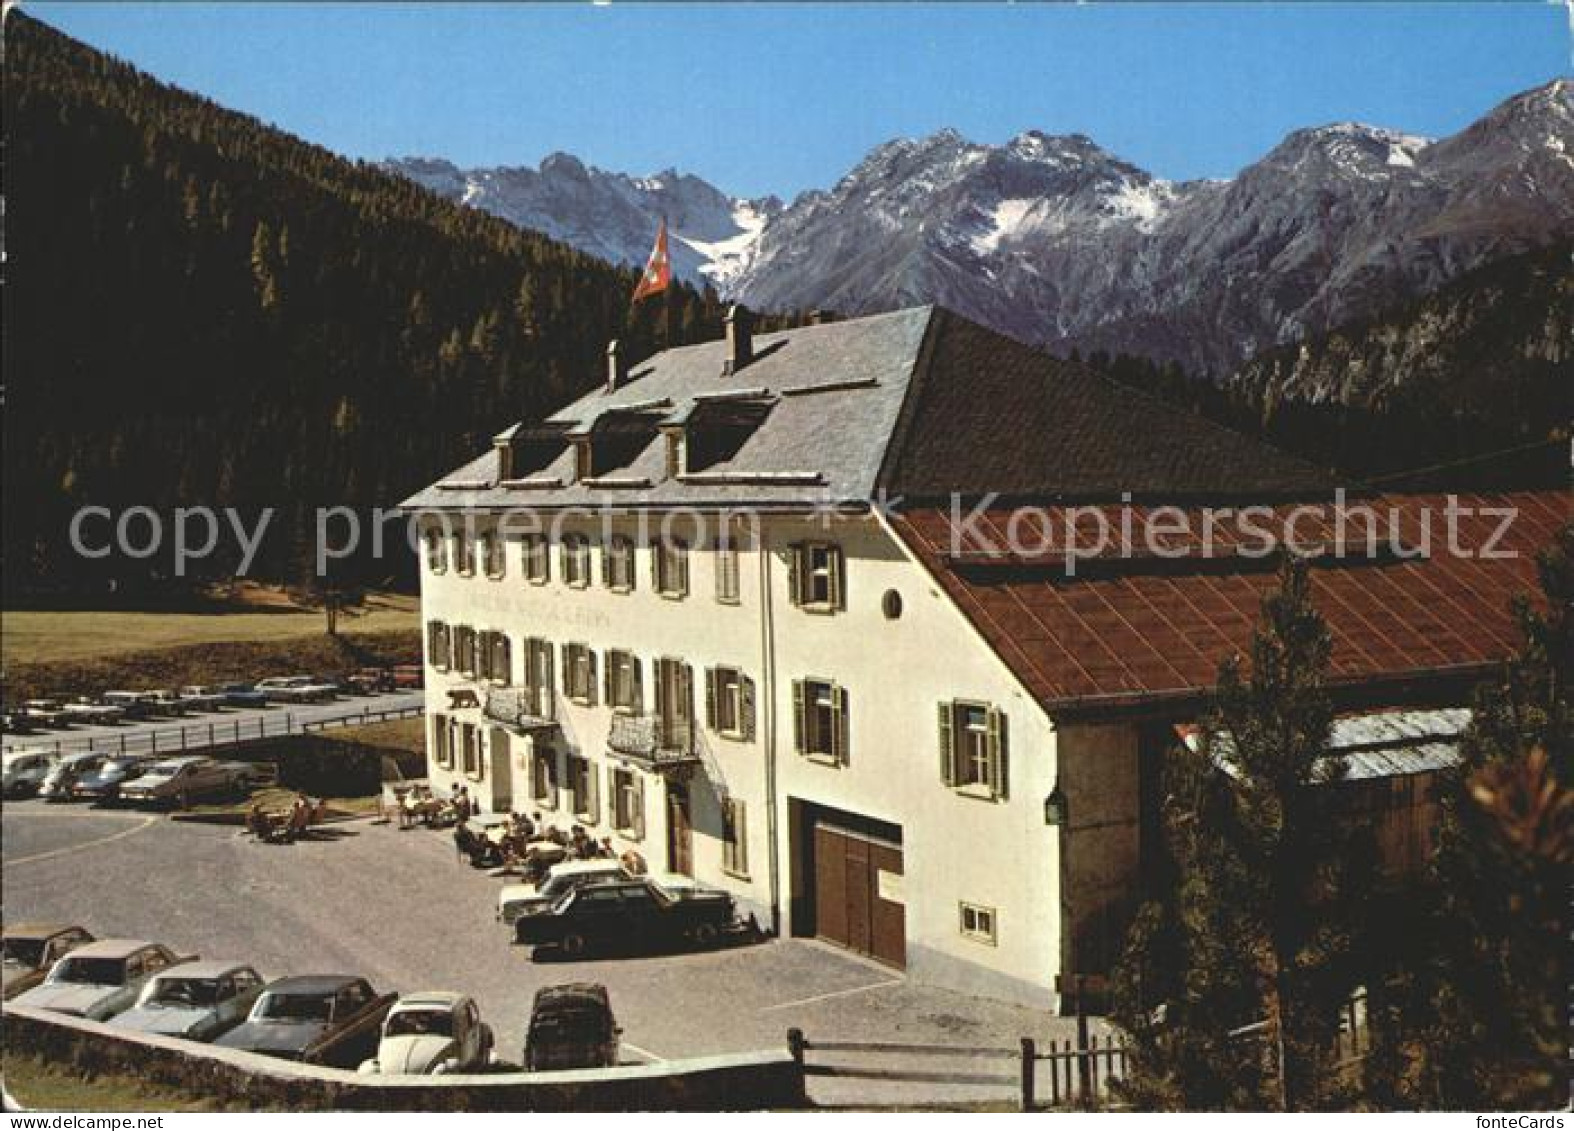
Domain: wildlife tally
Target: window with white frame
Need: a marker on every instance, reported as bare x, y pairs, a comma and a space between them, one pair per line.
624, 688
734, 838
436, 552
973, 749
535, 559
978, 923
582, 788
820, 720
816, 581
727, 571
438, 645
669, 564
442, 750
617, 564
579, 673
575, 553
729, 702
628, 802
543, 778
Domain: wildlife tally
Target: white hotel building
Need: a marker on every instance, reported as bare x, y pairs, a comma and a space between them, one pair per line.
681, 618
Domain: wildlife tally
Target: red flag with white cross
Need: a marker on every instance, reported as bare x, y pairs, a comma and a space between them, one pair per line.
658, 271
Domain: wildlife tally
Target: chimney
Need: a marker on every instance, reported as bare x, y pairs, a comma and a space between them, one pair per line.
821, 317
740, 339
615, 372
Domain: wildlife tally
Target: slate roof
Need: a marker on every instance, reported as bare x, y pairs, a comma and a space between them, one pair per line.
1375, 744
916, 403
1138, 631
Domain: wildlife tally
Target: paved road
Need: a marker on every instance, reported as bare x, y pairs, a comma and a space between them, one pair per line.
217, 728
398, 907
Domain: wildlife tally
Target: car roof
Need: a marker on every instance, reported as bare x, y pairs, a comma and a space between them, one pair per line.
81, 756
182, 760
430, 999
18, 755
583, 867
313, 984
112, 948
207, 968
580, 993
39, 930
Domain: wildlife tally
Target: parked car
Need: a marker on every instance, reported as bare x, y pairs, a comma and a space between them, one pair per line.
46, 713
243, 695
92, 711
201, 698
22, 772
99, 979
162, 701
632, 911
195, 1000
16, 721
514, 900
332, 1019
182, 780
103, 783
134, 704
408, 677
571, 1026
30, 949
60, 782
297, 689
370, 681
431, 1033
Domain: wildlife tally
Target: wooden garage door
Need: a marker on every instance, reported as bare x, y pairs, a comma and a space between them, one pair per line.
857, 896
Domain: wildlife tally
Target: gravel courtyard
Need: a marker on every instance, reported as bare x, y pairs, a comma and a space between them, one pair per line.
398, 907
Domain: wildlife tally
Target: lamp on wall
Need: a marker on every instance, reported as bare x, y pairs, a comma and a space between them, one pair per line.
1056, 809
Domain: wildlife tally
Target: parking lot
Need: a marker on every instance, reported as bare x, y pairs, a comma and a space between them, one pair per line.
398, 907
200, 731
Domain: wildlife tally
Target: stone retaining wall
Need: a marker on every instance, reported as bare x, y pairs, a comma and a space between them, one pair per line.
744, 1081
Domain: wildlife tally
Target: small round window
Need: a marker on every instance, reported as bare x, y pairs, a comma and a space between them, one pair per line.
891, 604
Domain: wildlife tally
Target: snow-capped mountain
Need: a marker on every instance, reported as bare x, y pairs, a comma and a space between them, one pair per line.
610, 215
1055, 240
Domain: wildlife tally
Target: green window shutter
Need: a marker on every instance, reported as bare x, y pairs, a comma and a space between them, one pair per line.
800, 720
999, 767
612, 796
590, 675
568, 669
639, 807
681, 555
710, 698
746, 698
795, 574
547, 684
606, 677
592, 792
606, 564
838, 567
637, 680
947, 744
655, 566
839, 724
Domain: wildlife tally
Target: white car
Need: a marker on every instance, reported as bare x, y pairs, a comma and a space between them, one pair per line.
89, 711
100, 979
428, 1034
514, 900
200, 698
296, 689
195, 1000
22, 772
60, 782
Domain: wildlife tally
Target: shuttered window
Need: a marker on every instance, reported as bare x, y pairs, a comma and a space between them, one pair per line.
617, 564
624, 688
492, 553
543, 778
582, 789
442, 748
820, 720
628, 802
495, 659
537, 562
438, 645
464, 552
973, 750
470, 750
669, 566
436, 552
538, 676
579, 673
576, 560
734, 838
816, 577
464, 650
726, 562
674, 705
729, 703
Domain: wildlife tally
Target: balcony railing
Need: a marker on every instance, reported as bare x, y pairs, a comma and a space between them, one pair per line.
527, 708
652, 740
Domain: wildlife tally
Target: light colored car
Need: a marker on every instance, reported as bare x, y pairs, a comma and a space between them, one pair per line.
182, 780
60, 782
32, 948
92, 711
99, 979
47, 712
514, 900
162, 701
200, 698
22, 772
297, 689
427, 1034
195, 1000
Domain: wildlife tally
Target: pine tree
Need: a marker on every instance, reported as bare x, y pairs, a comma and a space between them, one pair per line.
1256, 930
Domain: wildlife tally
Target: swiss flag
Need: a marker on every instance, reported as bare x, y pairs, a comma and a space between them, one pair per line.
658, 271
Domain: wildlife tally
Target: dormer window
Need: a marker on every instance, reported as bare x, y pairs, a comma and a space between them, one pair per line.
717, 430
617, 439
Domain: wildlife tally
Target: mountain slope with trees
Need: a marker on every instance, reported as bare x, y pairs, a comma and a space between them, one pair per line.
203, 309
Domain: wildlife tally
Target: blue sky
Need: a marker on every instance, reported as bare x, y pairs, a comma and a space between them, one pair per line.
779, 98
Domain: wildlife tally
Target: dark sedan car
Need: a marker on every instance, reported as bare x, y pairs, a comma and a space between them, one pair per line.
635, 913
332, 1019
571, 1026
243, 695
104, 783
